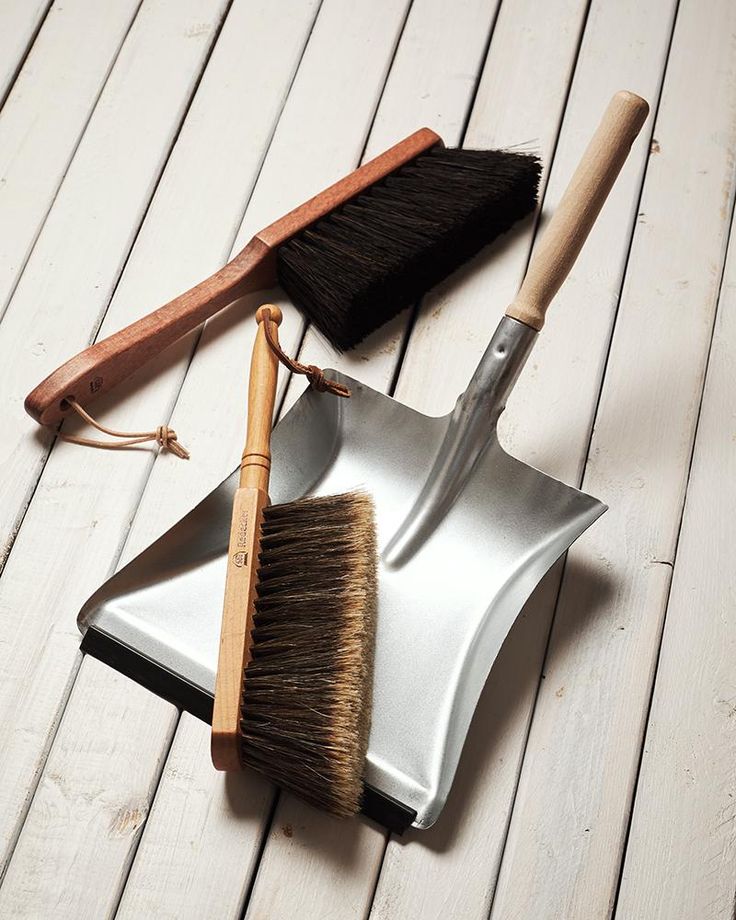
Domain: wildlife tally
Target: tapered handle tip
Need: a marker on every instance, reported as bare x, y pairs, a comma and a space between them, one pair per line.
269, 311
630, 110
632, 101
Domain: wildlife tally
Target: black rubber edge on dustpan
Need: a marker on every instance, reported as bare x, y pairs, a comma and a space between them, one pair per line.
377, 806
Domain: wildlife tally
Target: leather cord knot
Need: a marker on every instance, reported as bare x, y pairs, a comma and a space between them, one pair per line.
164, 436
315, 375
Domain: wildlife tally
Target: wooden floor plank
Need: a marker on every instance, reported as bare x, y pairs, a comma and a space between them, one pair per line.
547, 423
252, 76
107, 486
516, 41
69, 63
167, 495
202, 840
336, 862
432, 82
69, 278
19, 23
681, 855
571, 811
89, 808
65, 286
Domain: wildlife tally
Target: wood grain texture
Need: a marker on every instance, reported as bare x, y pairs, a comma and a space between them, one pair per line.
90, 805
414, 92
94, 372
170, 253
40, 641
255, 462
452, 868
129, 138
327, 860
681, 855
420, 888
20, 22
200, 847
522, 65
167, 251
571, 811
577, 210
244, 548
69, 62
202, 835
236, 625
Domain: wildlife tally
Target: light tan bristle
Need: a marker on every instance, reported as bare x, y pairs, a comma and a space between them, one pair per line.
306, 700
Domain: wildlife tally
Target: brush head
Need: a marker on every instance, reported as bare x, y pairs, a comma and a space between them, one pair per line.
355, 269
306, 698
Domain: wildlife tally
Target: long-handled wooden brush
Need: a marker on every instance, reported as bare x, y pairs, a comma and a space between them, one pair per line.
350, 258
295, 672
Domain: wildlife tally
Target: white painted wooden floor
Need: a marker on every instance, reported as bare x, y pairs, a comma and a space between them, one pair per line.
141, 143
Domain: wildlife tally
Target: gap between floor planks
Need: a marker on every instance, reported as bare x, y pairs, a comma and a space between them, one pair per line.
21, 24
424, 895
679, 860
100, 456
161, 31
38, 140
588, 737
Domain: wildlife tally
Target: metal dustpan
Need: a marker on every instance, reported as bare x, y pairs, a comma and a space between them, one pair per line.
465, 533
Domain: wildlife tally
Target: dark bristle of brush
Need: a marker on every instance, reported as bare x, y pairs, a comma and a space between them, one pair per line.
357, 268
306, 702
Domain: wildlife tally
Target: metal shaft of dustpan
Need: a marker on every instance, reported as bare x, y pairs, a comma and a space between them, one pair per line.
478, 409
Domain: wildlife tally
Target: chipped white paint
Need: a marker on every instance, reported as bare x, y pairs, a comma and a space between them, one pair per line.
202, 838
91, 803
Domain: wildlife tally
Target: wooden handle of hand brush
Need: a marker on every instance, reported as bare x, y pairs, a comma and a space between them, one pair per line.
243, 550
576, 213
255, 465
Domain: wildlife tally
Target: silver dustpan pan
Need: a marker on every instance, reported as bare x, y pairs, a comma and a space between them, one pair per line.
465, 533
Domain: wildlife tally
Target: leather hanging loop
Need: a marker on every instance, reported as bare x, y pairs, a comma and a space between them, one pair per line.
164, 436
314, 374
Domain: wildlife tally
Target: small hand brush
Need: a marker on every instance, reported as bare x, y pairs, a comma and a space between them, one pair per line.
295, 672
351, 258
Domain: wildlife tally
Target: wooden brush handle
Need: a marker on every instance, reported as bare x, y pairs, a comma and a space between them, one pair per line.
576, 213
255, 464
243, 549
99, 368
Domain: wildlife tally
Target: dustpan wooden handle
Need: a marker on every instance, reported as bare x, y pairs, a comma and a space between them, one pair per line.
255, 464
576, 213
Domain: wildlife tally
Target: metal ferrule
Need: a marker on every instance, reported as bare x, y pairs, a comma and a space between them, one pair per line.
471, 429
